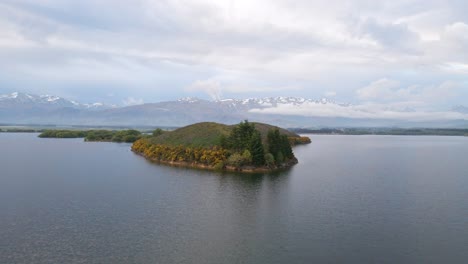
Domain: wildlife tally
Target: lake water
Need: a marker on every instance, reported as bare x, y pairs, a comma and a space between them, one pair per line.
351, 199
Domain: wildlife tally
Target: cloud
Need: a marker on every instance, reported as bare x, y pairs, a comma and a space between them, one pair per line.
210, 87
132, 101
330, 94
363, 111
458, 31
386, 90
244, 47
390, 35
455, 67
381, 89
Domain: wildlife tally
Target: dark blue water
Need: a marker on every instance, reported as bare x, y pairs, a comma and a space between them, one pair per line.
351, 199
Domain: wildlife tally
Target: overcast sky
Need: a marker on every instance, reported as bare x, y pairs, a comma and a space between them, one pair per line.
402, 53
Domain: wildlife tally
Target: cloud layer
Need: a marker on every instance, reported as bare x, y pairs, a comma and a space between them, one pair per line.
365, 52
364, 111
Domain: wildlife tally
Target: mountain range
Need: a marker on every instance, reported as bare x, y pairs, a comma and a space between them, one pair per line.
23, 108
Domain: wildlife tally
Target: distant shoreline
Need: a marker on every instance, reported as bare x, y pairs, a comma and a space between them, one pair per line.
384, 131
320, 131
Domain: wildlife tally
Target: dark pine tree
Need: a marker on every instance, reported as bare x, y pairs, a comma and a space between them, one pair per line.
256, 149
286, 147
274, 141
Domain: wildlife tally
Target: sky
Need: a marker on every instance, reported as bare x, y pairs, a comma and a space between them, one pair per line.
399, 54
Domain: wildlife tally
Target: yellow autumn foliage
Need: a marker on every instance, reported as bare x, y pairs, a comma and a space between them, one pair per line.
158, 152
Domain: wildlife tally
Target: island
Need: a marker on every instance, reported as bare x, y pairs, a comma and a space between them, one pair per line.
128, 136
246, 147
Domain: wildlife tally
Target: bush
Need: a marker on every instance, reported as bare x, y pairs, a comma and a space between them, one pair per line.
279, 158
269, 159
235, 160
219, 165
246, 157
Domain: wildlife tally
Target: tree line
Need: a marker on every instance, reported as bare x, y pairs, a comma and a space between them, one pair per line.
128, 136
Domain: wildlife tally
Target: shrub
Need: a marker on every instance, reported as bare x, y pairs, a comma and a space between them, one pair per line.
279, 158
246, 157
269, 159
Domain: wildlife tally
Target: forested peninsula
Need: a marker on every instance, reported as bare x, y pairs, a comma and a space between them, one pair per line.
128, 136
246, 147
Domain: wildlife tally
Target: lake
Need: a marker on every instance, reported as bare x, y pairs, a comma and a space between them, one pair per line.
351, 199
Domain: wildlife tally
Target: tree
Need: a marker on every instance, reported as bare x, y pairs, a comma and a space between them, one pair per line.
157, 132
286, 147
280, 145
240, 136
244, 137
274, 141
257, 150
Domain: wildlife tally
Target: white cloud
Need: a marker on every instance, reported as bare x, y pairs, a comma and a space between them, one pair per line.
381, 89
132, 101
364, 111
211, 87
455, 67
458, 30
330, 94
238, 46
391, 35
391, 90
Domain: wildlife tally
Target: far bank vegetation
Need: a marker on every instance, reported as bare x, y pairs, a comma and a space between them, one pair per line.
128, 136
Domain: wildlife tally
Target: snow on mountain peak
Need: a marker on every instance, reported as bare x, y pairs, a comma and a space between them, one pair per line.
46, 100
49, 98
275, 101
236, 104
189, 99
9, 96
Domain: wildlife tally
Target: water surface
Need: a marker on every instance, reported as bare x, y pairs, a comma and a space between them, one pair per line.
351, 199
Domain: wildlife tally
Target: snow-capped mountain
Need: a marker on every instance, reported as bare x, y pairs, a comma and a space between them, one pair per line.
268, 102
44, 101
262, 102
27, 108
22, 108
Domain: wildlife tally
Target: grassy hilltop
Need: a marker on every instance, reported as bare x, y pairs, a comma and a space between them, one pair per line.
209, 134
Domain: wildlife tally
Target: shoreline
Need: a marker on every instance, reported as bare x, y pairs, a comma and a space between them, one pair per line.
244, 169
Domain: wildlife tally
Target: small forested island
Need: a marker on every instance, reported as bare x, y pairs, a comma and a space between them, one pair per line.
246, 147
18, 130
128, 136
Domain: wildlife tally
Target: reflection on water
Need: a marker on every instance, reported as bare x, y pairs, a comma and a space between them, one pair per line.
367, 199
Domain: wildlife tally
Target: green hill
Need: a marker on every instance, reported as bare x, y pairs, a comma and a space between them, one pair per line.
205, 134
